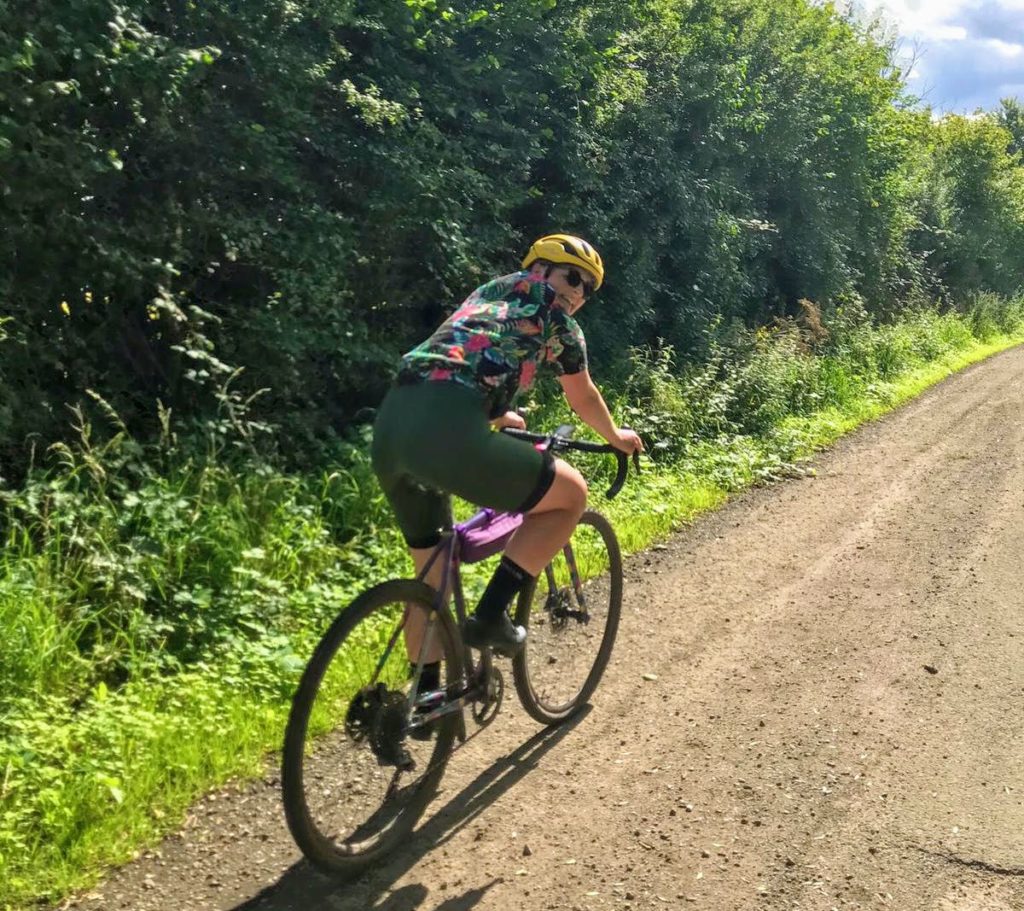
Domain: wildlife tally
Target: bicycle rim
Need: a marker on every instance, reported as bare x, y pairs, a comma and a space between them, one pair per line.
571, 629
354, 782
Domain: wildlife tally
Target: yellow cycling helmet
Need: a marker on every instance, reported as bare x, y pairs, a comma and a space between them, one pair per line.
566, 249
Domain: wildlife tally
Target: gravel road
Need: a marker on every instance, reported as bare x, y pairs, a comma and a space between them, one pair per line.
835, 721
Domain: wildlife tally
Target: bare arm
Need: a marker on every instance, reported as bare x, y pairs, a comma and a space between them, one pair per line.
586, 400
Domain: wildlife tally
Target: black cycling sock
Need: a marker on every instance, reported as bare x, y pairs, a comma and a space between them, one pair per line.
430, 676
508, 580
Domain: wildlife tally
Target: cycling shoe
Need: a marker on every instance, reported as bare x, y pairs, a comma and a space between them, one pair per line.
498, 633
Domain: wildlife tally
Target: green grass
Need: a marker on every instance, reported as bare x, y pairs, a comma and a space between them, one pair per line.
665, 500
158, 610
114, 774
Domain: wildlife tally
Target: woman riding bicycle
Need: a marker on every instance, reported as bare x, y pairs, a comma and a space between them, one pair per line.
433, 437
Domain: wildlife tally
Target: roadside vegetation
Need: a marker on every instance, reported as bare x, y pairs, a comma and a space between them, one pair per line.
157, 619
222, 224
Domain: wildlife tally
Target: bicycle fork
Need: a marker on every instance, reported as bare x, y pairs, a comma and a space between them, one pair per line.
557, 604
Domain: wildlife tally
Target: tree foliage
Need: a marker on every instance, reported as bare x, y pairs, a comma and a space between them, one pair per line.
975, 207
302, 190
1011, 118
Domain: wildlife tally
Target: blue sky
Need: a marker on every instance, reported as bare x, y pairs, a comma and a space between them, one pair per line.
963, 54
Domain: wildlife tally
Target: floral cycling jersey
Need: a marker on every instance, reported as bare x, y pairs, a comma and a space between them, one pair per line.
496, 340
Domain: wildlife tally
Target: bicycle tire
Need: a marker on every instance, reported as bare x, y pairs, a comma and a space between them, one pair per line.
301, 770
534, 669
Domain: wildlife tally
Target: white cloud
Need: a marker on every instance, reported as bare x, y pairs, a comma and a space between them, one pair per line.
926, 20
960, 54
1005, 48
946, 33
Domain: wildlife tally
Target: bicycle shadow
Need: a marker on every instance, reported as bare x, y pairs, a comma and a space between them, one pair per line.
303, 887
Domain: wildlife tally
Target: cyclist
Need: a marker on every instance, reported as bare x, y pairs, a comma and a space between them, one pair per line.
432, 439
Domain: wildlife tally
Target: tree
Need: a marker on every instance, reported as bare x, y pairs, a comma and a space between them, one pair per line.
1011, 118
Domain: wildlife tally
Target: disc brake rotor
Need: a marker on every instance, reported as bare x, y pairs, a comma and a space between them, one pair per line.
558, 607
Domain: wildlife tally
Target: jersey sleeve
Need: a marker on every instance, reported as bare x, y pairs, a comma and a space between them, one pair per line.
565, 347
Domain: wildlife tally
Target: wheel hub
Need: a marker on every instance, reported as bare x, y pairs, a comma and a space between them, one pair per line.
558, 608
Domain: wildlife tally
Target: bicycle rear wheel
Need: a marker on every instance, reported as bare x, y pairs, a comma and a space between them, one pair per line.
572, 616
354, 783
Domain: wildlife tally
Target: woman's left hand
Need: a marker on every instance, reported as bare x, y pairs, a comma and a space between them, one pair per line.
510, 419
627, 441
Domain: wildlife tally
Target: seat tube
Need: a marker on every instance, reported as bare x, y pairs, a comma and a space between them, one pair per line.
453, 580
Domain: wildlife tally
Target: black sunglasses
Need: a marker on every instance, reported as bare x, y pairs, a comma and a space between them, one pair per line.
575, 279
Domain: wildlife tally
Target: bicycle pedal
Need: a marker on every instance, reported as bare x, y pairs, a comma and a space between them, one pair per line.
402, 760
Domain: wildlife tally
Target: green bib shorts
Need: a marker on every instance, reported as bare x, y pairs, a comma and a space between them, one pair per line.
432, 439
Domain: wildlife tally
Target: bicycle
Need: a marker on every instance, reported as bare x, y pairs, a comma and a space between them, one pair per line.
365, 749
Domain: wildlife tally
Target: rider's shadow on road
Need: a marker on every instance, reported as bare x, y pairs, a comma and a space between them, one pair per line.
303, 888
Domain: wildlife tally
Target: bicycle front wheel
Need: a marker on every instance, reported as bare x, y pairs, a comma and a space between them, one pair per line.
572, 616
354, 776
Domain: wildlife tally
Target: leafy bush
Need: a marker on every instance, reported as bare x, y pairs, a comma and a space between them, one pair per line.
300, 192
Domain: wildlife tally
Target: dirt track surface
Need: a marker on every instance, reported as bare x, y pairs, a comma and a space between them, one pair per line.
836, 720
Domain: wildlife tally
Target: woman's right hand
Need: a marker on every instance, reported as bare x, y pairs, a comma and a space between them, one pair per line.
509, 419
628, 441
